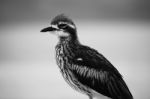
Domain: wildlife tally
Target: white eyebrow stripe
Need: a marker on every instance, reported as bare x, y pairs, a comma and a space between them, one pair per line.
54, 26
72, 26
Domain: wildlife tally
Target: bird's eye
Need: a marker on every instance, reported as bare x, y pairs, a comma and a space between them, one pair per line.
62, 26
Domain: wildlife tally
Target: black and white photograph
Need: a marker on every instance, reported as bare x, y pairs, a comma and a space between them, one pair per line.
74, 49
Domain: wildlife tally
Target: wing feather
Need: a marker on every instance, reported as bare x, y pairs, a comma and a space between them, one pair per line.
97, 73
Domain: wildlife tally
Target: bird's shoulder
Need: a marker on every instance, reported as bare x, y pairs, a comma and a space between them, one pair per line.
91, 58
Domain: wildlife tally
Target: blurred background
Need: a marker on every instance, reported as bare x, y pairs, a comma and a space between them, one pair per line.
119, 29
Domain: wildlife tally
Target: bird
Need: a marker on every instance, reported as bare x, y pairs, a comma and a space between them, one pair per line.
82, 67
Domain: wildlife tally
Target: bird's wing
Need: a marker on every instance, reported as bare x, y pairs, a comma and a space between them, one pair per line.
96, 72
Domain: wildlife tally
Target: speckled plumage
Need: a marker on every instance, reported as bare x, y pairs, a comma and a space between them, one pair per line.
85, 69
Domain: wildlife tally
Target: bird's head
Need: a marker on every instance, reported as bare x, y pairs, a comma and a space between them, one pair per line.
62, 26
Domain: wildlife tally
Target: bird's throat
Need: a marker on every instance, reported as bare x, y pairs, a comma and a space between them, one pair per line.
70, 40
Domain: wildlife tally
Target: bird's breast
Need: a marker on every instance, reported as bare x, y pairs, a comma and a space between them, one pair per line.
65, 68
63, 64
60, 57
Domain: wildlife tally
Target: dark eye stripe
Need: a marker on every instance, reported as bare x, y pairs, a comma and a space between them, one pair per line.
62, 25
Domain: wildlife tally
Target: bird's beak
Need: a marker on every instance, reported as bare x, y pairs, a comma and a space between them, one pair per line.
49, 29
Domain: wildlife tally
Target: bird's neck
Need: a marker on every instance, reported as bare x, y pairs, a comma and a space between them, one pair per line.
69, 42
73, 38
68, 46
